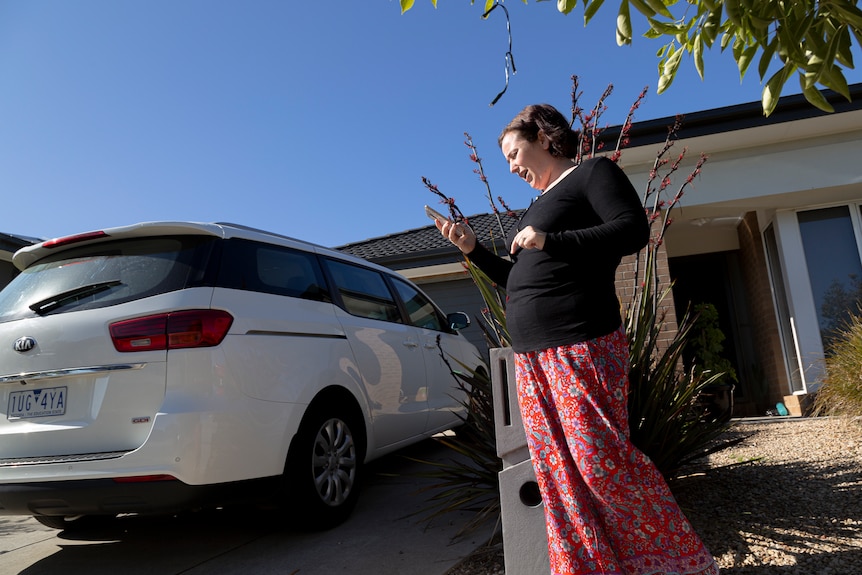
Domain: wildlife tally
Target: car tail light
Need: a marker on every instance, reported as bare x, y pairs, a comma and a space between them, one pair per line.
175, 330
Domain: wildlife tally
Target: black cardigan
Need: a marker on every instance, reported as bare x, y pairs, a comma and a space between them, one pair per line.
565, 293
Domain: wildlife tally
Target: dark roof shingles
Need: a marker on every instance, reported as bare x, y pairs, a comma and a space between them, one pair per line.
428, 239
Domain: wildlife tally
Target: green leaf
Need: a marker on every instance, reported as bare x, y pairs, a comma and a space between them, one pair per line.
745, 59
698, 55
790, 35
822, 57
757, 22
845, 47
643, 8
660, 7
816, 49
566, 6
624, 24
738, 47
734, 12
849, 13
652, 34
808, 79
669, 29
766, 58
858, 35
815, 96
711, 25
833, 78
591, 9
406, 5
772, 90
668, 68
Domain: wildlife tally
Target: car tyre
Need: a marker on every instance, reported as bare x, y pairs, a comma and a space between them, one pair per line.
324, 468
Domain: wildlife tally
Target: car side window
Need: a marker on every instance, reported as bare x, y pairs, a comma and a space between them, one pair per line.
272, 269
420, 309
363, 291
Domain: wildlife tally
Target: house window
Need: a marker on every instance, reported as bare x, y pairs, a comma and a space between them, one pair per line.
834, 268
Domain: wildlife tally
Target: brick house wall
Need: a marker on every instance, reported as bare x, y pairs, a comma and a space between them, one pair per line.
626, 286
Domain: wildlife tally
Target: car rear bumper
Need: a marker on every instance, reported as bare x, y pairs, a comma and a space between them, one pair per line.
254, 439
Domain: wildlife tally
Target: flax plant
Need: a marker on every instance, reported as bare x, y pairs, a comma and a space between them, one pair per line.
664, 419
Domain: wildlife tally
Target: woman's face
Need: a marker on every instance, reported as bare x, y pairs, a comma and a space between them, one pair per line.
530, 160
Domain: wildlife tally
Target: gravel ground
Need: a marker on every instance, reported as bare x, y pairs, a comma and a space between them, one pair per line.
787, 500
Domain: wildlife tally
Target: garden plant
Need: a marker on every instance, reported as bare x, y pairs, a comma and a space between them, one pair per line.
841, 390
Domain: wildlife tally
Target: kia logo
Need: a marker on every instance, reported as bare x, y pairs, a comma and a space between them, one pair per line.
23, 344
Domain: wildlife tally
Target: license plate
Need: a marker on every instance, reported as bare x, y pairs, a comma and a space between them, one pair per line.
37, 403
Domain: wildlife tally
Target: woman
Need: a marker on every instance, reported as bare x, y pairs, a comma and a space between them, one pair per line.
607, 508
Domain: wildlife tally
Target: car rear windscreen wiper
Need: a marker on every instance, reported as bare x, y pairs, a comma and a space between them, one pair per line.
50, 304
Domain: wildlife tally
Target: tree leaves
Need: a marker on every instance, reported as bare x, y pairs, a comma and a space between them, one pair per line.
814, 38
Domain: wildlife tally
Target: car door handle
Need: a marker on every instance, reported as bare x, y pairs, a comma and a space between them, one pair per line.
410, 343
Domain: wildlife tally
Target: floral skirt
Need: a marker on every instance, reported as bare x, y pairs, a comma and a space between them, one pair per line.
607, 508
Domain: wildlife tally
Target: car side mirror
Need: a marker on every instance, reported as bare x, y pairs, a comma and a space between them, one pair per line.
458, 320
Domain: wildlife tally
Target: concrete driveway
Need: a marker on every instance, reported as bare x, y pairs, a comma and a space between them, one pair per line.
379, 538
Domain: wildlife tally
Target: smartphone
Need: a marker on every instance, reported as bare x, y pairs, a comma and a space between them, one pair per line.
435, 215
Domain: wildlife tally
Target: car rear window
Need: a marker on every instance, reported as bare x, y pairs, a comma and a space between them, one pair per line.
107, 273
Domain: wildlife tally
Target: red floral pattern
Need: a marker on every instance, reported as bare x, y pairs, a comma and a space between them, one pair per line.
607, 508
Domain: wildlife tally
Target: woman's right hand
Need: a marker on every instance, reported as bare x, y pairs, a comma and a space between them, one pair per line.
459, 234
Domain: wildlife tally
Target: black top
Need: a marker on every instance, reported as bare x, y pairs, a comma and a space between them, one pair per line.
565, 293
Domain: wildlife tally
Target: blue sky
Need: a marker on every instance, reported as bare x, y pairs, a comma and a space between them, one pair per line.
311, 119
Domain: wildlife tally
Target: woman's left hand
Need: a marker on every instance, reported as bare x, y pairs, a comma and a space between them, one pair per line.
529, 239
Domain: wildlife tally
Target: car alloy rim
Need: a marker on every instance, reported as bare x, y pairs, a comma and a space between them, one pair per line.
334, 462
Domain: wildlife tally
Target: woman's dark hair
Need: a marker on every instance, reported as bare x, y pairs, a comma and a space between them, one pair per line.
563, 140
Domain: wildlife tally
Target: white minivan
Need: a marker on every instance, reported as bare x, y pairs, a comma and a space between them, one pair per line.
164, 366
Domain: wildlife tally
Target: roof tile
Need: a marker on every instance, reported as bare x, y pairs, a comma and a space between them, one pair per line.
417, 241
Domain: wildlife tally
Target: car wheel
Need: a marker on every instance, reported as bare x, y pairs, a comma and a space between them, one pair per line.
324, 468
